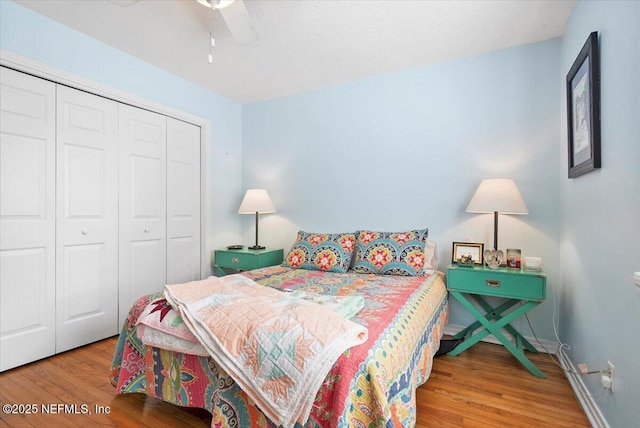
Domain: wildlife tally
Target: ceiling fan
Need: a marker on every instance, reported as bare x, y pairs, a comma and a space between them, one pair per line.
236, 17
234, 13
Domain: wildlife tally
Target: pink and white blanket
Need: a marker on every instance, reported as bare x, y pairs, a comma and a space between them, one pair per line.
279, 349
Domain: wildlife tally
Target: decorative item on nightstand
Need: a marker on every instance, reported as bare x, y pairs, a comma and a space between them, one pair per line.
532, 263
256, 201
513, 258
497, 195
493, 258
467, 253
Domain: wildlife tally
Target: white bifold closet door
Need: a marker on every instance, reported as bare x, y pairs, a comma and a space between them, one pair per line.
159, 203
183, 201
87, 219
100, 204
27, 218
143, 206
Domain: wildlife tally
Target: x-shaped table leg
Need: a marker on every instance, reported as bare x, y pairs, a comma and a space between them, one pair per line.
497, 314
494, 328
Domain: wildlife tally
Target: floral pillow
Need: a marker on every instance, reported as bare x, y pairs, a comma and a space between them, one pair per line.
391, 253
329, 252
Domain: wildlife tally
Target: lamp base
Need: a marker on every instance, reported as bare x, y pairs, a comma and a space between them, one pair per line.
256, 247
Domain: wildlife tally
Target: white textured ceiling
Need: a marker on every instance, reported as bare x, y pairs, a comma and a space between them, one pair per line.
307, 44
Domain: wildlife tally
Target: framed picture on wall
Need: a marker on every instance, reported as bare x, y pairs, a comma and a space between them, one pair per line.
583, 109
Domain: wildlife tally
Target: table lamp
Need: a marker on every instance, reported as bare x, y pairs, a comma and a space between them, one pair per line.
256, 201
497, 195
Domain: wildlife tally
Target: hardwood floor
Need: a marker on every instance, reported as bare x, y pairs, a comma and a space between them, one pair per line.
483, 387
486, 386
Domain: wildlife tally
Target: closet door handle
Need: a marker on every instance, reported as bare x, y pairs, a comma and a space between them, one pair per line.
146, 230
85, 232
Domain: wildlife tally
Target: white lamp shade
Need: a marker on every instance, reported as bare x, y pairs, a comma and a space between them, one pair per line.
256, 201
497, 195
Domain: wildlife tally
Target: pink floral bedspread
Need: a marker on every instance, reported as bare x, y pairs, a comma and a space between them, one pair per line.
372, 384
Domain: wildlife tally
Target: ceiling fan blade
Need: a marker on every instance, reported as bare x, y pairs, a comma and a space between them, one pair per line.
238, 21
124, 3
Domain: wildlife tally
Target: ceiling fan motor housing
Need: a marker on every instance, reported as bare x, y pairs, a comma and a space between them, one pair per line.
215, 4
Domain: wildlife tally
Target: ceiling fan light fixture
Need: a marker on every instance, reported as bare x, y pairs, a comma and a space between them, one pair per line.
212, 44
216, 4
236, 16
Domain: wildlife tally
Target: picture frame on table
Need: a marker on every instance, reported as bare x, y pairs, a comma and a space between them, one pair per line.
514, 258
583, 110
464, 250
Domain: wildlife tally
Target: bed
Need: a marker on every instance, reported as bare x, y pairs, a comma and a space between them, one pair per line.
372, 384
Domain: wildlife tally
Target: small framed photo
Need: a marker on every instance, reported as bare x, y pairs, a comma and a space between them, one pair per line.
514, 258
466, 251
583, 109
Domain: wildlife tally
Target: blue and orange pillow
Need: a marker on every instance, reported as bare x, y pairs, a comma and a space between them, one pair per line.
391, 253
330, 252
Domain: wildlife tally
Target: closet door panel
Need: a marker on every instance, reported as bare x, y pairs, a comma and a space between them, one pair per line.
183, 201
87, 219
143, 200
27, 218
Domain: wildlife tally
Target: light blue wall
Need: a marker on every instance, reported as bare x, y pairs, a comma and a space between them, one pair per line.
408, 149
600, 249
34, 36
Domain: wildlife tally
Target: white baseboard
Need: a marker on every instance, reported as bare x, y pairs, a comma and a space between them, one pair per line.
551, 346
588, 404
591, 409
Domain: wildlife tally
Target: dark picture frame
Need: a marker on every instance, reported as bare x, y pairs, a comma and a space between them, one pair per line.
476, 250
583, 109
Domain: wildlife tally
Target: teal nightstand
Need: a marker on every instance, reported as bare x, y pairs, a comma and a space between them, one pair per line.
246, 259
516, 286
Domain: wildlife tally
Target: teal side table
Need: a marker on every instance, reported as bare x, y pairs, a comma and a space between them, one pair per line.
516, 286
246, 259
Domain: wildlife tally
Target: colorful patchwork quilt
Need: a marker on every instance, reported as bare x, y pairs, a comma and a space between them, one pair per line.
277, 347
372, 384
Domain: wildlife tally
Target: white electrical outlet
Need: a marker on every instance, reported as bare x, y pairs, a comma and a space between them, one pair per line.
607, 377
605, 380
